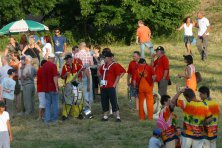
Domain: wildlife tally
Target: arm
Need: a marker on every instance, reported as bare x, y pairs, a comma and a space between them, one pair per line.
65, 46
181, 27
207, 31
9, 130
37, 46
175, 98
187, 74
6, 51
137, 39
87, 73
129, 76
24, 50
117, 80
165, 74
55, 79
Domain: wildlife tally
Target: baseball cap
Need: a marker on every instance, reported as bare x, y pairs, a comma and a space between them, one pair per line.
68, 56
157, 132
2, 104
51, 55
159, 48
23, 58
10, 71
108, 54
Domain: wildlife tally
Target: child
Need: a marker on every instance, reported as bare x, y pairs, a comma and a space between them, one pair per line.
165, 122
154, 141
5, 127
8, 85
41, 94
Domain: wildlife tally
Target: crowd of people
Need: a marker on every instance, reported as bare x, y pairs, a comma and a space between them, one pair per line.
93, 71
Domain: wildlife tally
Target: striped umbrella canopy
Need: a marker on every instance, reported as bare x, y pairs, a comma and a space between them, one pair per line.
22, 26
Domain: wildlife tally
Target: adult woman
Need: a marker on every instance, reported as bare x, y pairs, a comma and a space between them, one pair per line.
23, 42
189, 73
188, 33
47, 49
33, 50
12, 49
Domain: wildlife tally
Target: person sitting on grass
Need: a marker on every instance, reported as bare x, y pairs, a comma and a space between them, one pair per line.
165, 122
154, 141
212, 128
196, 115
8, 85
5, 127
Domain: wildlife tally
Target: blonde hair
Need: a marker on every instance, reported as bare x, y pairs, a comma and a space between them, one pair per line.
31, 40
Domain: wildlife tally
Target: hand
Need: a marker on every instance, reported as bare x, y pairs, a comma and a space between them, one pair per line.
137, 42
57, 89
114, 85
179, 76
153, 55
10, 138
183, 90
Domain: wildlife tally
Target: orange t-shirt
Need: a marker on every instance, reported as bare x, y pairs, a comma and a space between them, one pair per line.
143, 33
160, 65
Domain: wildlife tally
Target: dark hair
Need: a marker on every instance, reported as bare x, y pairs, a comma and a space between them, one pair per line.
57, 29
43, 62
97, 47
189, 93
74, 48
142, 61
88, 45
136, 52
48, 39
189, 59
164, 98
105, 50
205, 90
140, 22
185, 19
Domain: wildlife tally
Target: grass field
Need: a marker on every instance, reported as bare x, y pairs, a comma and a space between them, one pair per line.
28, 132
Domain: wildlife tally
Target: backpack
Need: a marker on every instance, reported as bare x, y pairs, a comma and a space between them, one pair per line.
162, 123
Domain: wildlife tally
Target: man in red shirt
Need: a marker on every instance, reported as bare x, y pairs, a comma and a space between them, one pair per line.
161, 68
143, 38
133, 65
51, 88
110, 74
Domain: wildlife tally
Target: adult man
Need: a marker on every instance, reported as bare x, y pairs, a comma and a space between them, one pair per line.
143, 37
203, 33
4, 69
110, 74
212, 128
69, 72
133, 65
59, 47
196, 115
161, 68
87, 60
26, 74
51, 88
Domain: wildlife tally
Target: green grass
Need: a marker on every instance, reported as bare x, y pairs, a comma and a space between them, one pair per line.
28, 132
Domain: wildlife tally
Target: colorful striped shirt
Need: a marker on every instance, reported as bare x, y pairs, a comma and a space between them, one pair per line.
195, 113
212, 128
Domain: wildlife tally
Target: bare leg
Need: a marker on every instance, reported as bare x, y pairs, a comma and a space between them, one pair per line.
188, 48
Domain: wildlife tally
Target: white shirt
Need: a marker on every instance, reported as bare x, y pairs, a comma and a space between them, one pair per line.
4, 72
188, 30
203, 25
49, 47
154, 143
4, 117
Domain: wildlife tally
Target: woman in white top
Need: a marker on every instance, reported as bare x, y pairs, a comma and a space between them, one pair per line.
47, 49
188, 33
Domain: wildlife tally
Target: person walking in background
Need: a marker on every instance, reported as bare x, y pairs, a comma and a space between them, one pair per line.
161, 68
59, 42
110, 74
143, 80
144, 38
212, 127
133, 65
5, 127
41, 93
203, 33
33, 50
4, 69
47, 49
196, 115
27, 74
188, 33
189, 73
51, 89
8, 85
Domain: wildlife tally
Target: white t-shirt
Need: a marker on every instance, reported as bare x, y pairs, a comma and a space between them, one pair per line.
203, 25
154, 143
49, 47
4, 117
188, 30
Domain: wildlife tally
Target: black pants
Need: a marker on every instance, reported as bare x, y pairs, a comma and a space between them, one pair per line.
109, 94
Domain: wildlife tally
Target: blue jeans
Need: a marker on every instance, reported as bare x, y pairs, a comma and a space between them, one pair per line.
59, 57
142, 48
88, 96
52, 101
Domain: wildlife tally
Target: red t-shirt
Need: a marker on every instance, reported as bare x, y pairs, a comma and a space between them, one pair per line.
133, 65
49, 70
39, 80
114, 71
160, 65
148, 73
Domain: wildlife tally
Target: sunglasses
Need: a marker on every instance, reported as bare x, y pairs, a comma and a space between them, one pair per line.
57, 32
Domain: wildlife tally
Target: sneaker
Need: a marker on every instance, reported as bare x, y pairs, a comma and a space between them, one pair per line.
104, 119
118, 120
202, 55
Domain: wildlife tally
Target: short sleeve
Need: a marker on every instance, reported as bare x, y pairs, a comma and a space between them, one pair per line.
6, 115
64, 39
181, 104
207, 22
138, 32
119, 69
48, 46
63, 72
